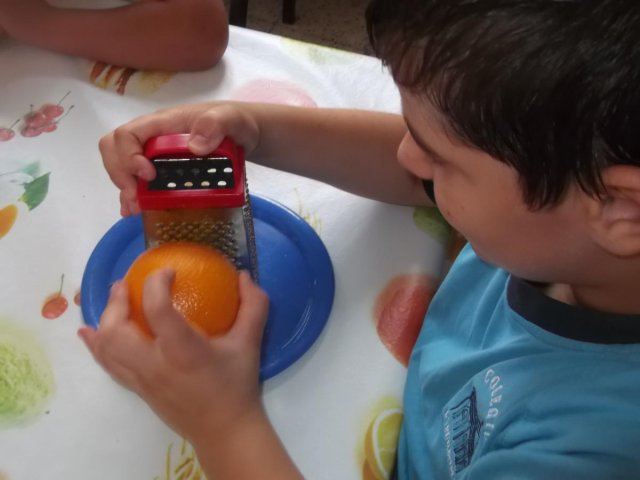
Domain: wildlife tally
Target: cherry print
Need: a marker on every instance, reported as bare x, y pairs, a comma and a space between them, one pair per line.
56, 304
43, 120
53, 111
7, 133
28, 131
35, 119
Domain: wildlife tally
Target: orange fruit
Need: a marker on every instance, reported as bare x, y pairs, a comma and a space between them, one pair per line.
204, 291
8, 216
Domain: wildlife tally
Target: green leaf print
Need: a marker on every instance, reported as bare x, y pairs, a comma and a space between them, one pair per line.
36, 191
32, 169
431, 221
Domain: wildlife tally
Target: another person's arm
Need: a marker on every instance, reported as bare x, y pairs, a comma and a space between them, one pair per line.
150, 34
353, 150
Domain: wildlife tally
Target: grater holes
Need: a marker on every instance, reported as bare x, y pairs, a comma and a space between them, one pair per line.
218, 234
192, 173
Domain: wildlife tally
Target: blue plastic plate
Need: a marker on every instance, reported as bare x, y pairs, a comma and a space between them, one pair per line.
295, 270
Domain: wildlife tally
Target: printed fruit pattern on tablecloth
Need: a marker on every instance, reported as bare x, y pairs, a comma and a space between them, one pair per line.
313, 219
181, 465
399, 312
398, 315
380, 442
122, 79
402, 304
26, 378
321, 55
36, 122
274, 91
431, 221
21, 187
55, 304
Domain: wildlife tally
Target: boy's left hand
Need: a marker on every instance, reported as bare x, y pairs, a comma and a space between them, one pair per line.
199, 386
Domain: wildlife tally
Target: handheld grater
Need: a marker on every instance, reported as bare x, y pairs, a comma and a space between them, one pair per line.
202, 199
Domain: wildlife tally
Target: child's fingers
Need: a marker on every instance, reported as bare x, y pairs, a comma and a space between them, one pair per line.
128, 203
123, 353
88, 336
123, 158
121, 174
163, 319
128, 349
211, 126
124, 163
124, 180
161, 122
253, 312
142, 167
206, 134
117, 310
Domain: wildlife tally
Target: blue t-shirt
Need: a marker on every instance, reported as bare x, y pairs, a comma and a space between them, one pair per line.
507, 383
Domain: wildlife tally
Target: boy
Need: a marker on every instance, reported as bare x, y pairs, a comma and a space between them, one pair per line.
523, 115
170, 35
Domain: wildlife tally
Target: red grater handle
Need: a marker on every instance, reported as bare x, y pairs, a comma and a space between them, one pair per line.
176, 147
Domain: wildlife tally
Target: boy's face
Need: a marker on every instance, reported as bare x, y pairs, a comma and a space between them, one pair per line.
481, 197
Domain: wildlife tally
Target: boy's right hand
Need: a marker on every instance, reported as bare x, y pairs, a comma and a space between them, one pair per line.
123, 149
202, 388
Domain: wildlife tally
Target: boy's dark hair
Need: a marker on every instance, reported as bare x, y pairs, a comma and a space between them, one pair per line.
550, 87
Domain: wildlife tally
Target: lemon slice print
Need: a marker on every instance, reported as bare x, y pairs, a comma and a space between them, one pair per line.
381, 442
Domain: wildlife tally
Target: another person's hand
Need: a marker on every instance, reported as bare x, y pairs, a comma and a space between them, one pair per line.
122, 149
202, 388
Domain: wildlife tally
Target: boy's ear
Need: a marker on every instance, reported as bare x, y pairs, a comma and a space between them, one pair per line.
614, 218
